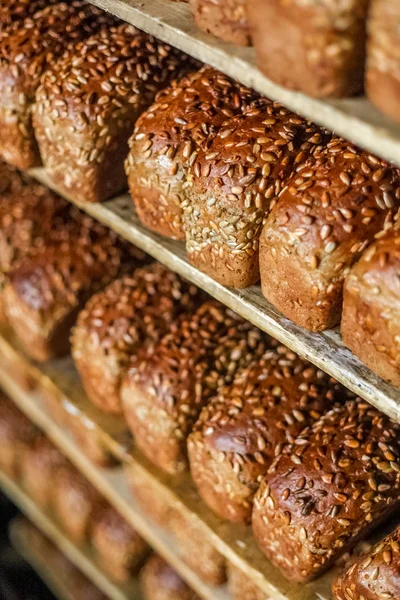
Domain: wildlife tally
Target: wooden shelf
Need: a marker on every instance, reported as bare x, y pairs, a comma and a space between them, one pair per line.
47, 567
57, 379
353, 118
325, 350
82, 557
234, 541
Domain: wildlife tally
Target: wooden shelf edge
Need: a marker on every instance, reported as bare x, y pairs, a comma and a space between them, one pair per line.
111, 483
353, 118
325, 350
82, 558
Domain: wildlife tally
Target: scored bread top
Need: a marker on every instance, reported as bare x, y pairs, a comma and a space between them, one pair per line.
34, 45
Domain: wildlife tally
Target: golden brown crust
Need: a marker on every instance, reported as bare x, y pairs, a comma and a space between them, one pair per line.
120, 548
232, 184
168, 384
242, 430
16, 432
76, 503
47, 289
26, 52
130, 313
226, 19
334, 206
371, 317
316, 47
159, 581
340, 479
88, 102
374, 575
383, 57
167, 138
39, 464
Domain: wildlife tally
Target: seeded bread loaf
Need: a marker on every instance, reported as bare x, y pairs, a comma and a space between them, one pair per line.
15, 11
119, 547
192, 544
130, 313
240, 432
315, 47
76, 503
168, 383
241, 587
88, 102
232, 184
39, 463
159, 581
16, 431
166, 140
47, 289
373, 576
25, 53
371, 310
383, 56
335, 205
226, 19
338, 480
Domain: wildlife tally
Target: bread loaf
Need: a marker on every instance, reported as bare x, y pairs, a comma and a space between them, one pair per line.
192, 544
240, 431
167, 385
241, 587
159, 581
39, 463
373, 576
232, 183
314, 47
226, 19
25, 53
131, 312
337, 481
16, 431
47, 289
334, 206
119, 547
370, 319
76, 503
15, 11
383, 56
166, 140
88, 103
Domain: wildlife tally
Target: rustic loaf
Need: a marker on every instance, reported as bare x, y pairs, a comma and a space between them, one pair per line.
159, 581
16, 431
333, 207
193, 543
226, 19
168, 383
166, 140
47, 289
383, 56
76, 503
374, 575
131, 312
119, 547
240, 431
338, 480
39, 463
88, 102
371, 310
25, 53
232, 184
314, 47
